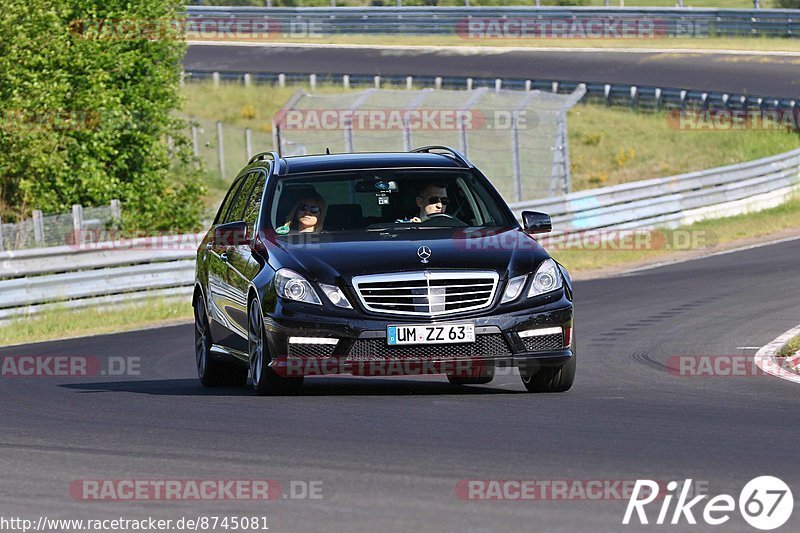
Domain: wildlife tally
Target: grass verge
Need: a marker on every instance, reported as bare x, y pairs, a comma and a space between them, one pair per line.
63, 322
790, 348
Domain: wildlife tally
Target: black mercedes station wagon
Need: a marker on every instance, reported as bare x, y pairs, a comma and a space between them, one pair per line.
377, 264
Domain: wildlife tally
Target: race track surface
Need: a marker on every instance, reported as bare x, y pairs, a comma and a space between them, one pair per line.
390, 451
768, 75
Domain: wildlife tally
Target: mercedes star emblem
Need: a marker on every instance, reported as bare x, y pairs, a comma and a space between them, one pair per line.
424, 253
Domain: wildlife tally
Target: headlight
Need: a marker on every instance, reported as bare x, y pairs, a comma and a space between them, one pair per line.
293, 286
336, 296
514, 288
546, 279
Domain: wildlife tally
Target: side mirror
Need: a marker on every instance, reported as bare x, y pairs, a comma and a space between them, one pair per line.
535, 222
231, 234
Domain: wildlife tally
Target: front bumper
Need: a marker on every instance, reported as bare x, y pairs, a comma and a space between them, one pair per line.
338, 345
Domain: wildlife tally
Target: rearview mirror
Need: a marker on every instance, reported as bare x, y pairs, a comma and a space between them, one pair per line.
535, 222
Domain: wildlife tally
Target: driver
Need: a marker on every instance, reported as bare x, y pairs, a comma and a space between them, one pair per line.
431, 200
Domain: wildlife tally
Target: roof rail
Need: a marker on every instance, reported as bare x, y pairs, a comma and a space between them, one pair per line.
269, 156
455, 154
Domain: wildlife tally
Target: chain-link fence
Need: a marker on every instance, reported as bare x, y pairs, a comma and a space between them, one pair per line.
59, 229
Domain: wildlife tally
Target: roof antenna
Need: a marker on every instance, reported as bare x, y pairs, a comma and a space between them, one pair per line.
327, 151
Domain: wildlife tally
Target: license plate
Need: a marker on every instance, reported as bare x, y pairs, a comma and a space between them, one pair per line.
430, 334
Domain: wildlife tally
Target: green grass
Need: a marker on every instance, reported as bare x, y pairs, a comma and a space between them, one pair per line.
708, 235
613, 145
790, 348
62, 322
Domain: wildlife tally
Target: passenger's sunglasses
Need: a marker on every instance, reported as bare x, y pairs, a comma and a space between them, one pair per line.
313, 209
444, 200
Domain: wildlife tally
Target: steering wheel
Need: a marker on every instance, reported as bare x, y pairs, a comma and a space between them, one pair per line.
440, 215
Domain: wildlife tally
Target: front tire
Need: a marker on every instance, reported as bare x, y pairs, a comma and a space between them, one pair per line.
265, 380
212, 373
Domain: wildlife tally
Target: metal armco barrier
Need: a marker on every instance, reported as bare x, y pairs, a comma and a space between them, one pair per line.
639, 97
667, 22
32, 281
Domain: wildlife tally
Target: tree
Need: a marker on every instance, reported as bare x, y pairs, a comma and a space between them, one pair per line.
87, 94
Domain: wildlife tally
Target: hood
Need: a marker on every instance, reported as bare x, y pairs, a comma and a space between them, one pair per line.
327, 256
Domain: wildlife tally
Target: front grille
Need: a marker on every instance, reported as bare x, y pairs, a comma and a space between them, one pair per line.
492, 345
543, 343
311, 350
428, 293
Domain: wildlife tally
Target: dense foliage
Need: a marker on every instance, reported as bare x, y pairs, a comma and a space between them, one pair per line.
87, 94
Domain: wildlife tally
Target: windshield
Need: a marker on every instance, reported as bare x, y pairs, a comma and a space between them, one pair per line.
379, 199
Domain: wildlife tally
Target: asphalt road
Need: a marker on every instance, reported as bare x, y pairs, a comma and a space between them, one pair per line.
390, 451
743, 73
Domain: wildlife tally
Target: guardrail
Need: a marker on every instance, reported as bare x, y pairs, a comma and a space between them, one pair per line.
106, 273
638, 97
676, 200
666, 22
32, 281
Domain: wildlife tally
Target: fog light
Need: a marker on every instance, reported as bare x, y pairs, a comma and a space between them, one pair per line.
312, 340
538, 332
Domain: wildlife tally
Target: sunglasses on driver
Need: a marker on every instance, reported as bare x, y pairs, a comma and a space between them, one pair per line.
313, 209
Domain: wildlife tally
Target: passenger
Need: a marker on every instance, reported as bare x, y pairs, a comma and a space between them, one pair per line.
307, 215
431, 199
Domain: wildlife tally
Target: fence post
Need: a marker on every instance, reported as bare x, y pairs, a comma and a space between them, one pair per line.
437, 82
348, 135
248, 145
607, 93
469, 83
77, 223
195, 143
38, 226
247, 79
312, 81
528, 85
658, 99
1, 235
555, 87
634, 92
215, 77
220, 150
281, 80
346, 81
515, 157
116, 212
498, 84
409, 82
377, 80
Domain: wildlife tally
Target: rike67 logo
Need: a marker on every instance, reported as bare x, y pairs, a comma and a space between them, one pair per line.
765, 503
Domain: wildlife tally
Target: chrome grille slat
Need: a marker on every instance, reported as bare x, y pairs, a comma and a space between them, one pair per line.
370, 296
426, 293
